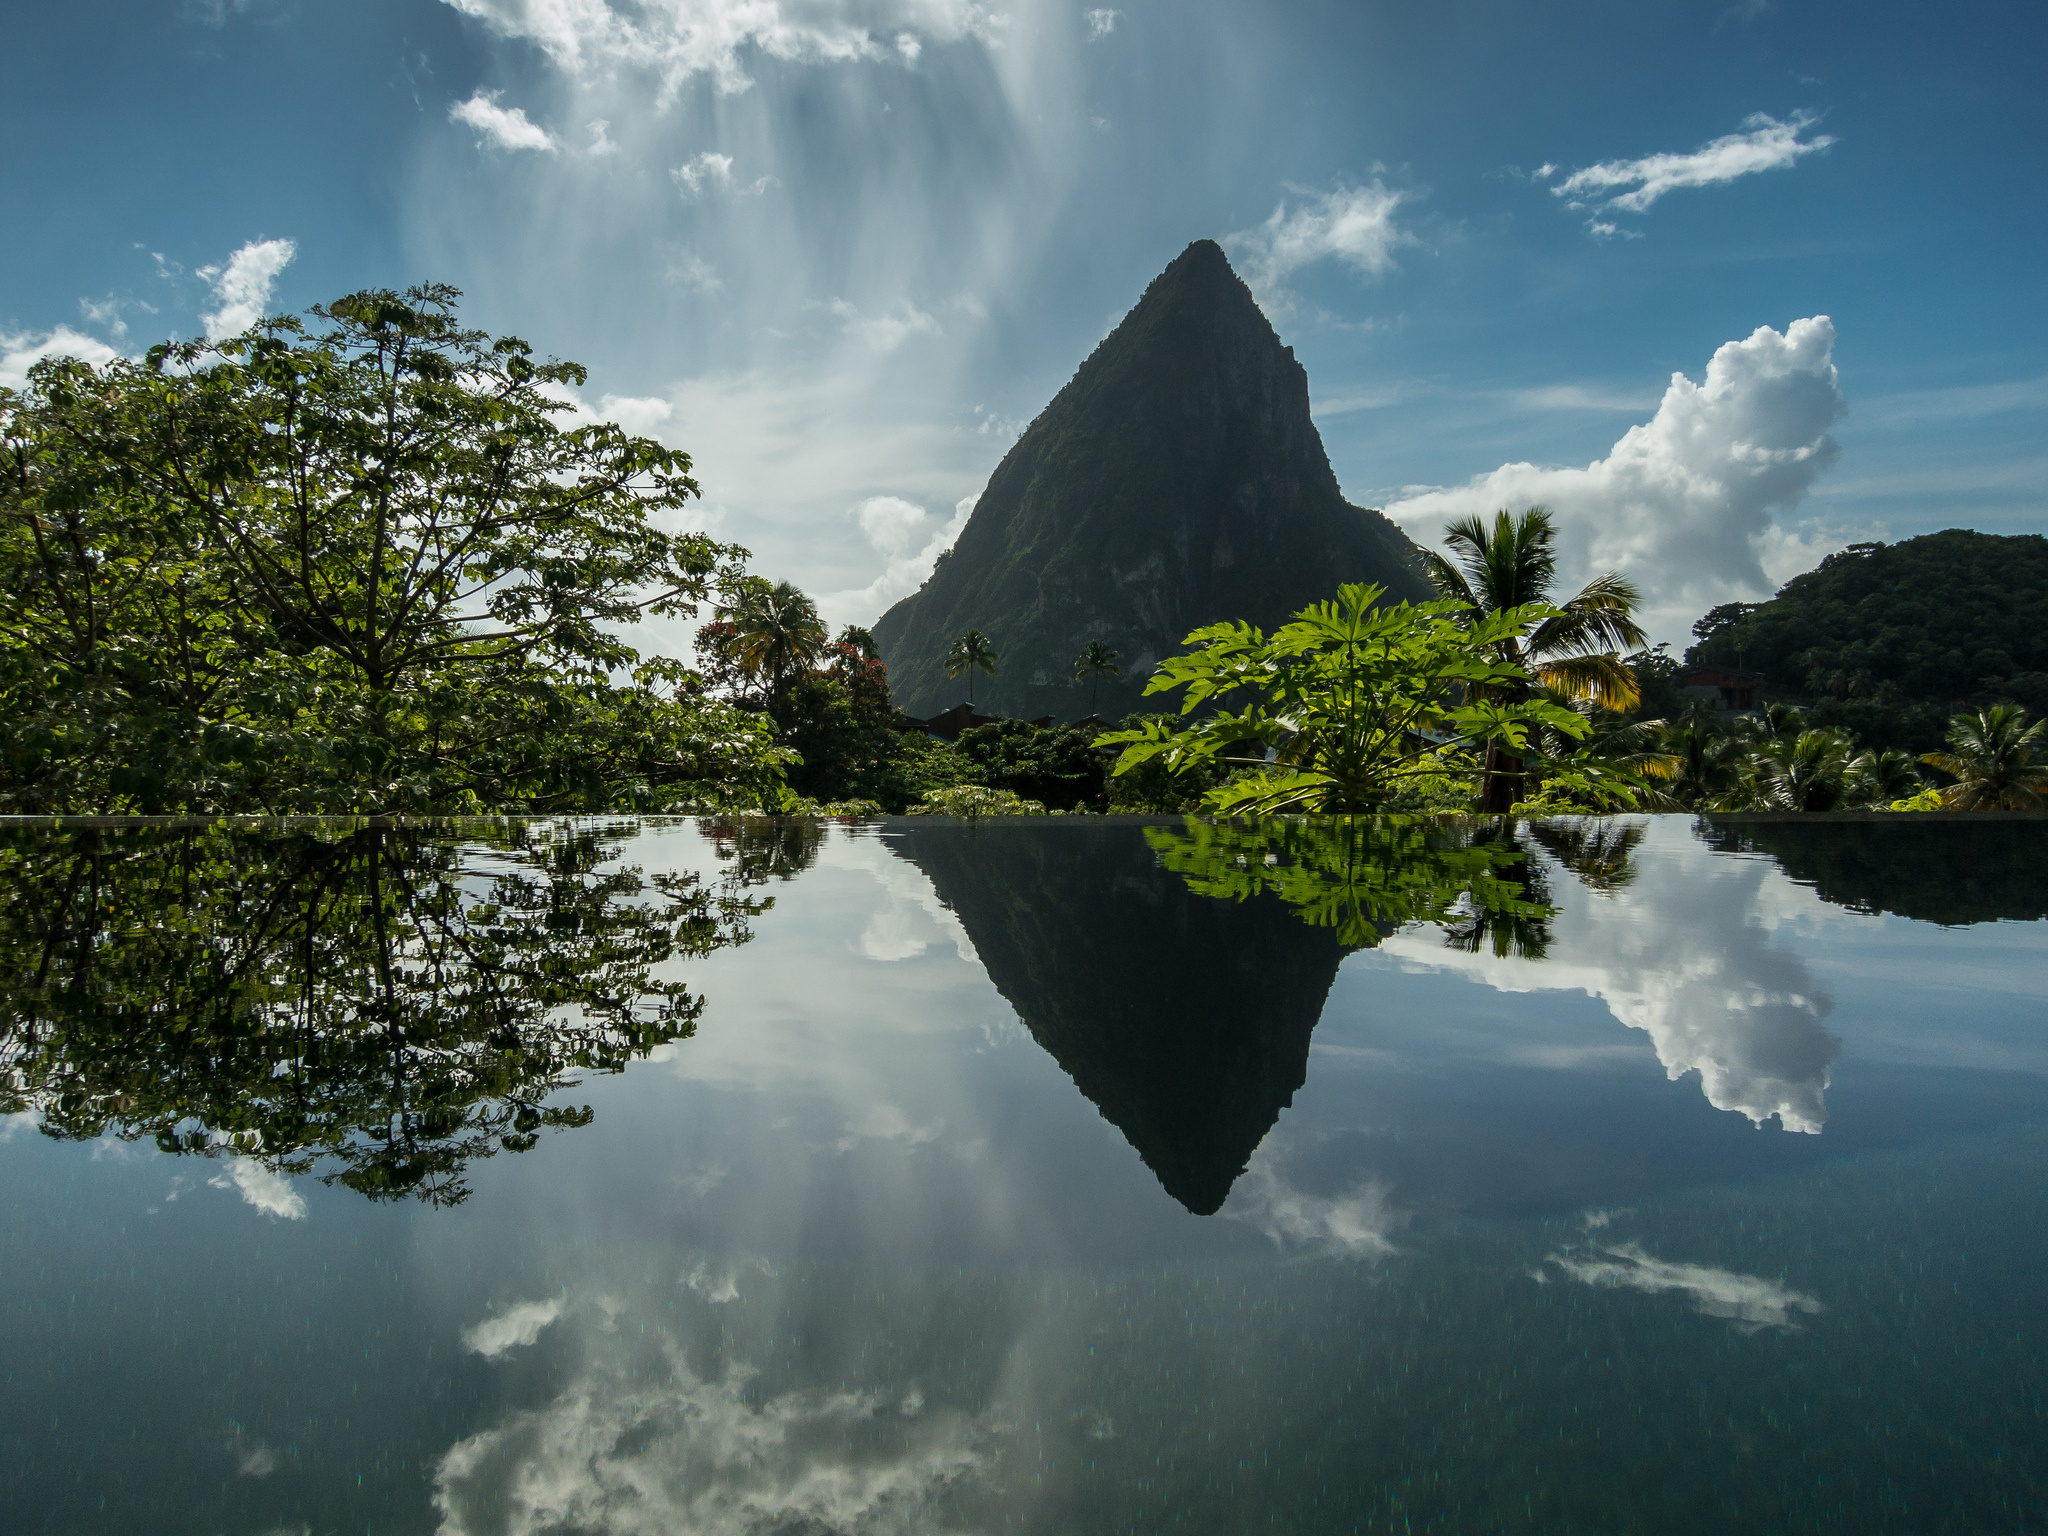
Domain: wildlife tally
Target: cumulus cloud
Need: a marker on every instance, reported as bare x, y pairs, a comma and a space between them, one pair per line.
704, 169
1689, 963
18, 353
243, 285
623, 1452
1752, 1302
1355, 225
1101, 23
271, 1193
1684, 503
674, 40
899, 531
506, 127
514, 1328
1765, 144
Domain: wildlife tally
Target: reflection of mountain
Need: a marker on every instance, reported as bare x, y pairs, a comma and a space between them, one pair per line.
1934, 868
1184, 1019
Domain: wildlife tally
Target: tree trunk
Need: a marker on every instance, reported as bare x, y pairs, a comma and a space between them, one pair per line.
1503, 783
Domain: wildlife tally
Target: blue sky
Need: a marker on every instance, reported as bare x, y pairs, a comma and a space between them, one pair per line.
842, 250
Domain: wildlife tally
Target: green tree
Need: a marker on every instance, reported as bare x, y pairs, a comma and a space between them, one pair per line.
971, 652
1574, 648
1096, 661
1353, 700
776, 632
1806, 772
1058, 766
292, 570
1991, 757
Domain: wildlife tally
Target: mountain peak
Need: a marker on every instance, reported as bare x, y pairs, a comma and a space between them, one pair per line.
1177, 480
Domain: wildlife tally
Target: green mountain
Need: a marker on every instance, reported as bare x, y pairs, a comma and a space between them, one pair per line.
1183, 1018
1890, 639
1177, 480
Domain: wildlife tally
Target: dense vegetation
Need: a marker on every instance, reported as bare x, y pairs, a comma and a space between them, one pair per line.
1889, 640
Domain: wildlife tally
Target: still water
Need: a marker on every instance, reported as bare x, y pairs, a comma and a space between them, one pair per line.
677, 1176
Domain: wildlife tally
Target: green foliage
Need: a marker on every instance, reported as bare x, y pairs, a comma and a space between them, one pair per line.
773, 632
1058, 765
388, 1003
1888, 639
359, 570
1098, 659
1992, 756
973, 801
1355, 702
971, 653
1152, 786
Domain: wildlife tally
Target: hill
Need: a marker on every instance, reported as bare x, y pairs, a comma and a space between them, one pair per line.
1178, 479
1890, 639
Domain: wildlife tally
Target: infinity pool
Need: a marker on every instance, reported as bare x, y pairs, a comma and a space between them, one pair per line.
1052, 1175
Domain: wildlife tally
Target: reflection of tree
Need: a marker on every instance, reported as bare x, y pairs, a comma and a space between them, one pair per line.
1366, 876
392, 1001
1932, 868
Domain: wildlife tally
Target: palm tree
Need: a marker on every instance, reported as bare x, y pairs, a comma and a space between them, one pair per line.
970, 651
1991, 759
1807, 772
777, 633
1098, 661
1879, 778
1577, 653
1709, 763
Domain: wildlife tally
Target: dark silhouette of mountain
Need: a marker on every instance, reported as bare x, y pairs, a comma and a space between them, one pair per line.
1934, 868
1177, 480
1184, 1019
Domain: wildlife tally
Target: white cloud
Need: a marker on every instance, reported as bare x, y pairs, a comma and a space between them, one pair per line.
694, 272
643, 417
514, 1328
271, 1193
1101, 23
887, 331
1683, 504
676, 39
705, 167
601, 139
627, 1452
1353, 224
895, 529
1357, 1222
243, 285
18, 353
1766, 145
1750, 1301
506, 127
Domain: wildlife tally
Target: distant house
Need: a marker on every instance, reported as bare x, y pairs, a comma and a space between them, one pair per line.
948, 725
1724, 687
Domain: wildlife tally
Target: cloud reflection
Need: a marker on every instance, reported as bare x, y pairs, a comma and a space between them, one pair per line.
1689, 960
1752, 1302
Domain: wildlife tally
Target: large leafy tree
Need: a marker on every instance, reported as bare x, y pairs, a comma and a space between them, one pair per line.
1573, 648
1353, 701
299, 569
972, 652
1992, 757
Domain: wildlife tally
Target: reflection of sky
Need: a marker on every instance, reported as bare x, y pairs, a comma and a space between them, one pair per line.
858, 1257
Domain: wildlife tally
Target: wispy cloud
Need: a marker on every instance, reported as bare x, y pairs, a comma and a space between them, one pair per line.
704, 169
506, 127
243, 285
1751, 1302
514, 1328
1101, 23
1764, 144
888, 330
1354, 225
601, 139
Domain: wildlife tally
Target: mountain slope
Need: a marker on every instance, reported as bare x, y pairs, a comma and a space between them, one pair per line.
1176, 480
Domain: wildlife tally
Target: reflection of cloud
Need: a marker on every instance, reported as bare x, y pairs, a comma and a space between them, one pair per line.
1355, 1222
1686, 960
622, 1453
887, 1122
910, 918
720, 1283
271, 1193
514, 1328
1751, 1301
260, 1462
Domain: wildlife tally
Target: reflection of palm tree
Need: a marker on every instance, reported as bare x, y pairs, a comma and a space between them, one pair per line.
1574, 653
970, 652
1098, 661
1991, 758
776, 631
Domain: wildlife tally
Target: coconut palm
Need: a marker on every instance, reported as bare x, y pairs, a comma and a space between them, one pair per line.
1991, 758
1879, 778
1577, 653
1709, 763
1807, 772
777, 633
1098, 661
971, 651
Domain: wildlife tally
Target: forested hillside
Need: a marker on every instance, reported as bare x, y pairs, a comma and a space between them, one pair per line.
1888, 640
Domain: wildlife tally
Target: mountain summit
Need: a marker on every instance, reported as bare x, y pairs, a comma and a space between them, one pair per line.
1177, 480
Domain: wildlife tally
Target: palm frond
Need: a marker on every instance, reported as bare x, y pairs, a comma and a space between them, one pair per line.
1600, 680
